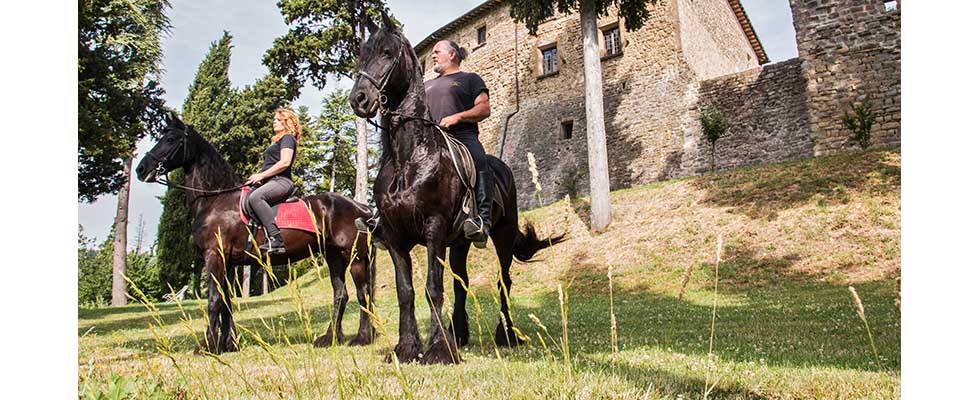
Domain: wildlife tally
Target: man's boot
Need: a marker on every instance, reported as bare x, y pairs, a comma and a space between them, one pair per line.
370, 226
477, 229
274, 244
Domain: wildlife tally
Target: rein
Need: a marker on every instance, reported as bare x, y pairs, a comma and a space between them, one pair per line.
166, 183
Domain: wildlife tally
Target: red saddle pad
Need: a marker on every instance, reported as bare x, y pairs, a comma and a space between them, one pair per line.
293, 215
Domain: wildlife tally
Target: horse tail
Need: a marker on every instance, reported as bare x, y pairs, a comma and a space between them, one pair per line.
527, 243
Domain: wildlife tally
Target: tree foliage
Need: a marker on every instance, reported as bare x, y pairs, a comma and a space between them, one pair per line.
329, 150
210, 94
252, 109
714, 124
323, 39
860, 123
634, 13
175, 250
95, 271
119, 95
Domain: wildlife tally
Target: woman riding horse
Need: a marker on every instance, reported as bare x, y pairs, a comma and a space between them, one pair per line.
221, 239
275, 180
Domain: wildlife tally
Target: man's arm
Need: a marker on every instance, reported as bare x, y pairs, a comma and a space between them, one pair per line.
479, 112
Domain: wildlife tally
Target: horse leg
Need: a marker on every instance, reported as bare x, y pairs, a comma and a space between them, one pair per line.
215, 274
503, 240
409, 343
362, 284
457, 261
335, 332
442, 348
229, 338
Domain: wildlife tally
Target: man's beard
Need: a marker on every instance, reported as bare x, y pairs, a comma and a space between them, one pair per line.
440, 68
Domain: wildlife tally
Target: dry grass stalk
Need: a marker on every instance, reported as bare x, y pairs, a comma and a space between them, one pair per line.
860, 310
714, 314
612, 315
564, 332
533, 166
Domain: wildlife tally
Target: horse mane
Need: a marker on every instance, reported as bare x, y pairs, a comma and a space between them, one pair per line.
212, 171
413, 67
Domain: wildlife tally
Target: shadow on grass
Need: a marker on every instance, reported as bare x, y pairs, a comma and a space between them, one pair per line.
762, 191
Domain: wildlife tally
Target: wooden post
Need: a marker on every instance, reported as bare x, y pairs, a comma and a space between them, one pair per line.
594, 117
246, 280
265, 282
119, 240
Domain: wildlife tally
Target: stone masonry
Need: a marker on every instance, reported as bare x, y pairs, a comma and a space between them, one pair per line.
851, 51
690, 54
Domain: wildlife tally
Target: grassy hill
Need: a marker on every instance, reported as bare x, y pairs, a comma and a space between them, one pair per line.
794, 236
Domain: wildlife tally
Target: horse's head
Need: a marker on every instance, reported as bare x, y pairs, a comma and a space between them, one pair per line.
170, 152
383, 69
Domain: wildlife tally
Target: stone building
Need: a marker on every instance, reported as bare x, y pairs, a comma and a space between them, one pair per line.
691, 54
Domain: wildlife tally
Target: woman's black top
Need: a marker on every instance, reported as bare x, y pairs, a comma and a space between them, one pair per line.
272, 154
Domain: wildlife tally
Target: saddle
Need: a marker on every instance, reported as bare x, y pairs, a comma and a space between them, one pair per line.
466, 170
291, 213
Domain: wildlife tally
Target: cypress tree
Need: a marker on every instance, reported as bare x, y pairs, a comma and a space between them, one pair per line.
207, 98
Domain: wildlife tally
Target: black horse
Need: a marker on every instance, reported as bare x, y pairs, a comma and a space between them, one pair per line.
420, 196
221, 239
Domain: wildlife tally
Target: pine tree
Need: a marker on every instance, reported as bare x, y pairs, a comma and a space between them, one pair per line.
119, 100
119, 96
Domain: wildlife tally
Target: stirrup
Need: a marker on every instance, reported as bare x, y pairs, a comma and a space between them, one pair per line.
273, 245
475, 232
367, 227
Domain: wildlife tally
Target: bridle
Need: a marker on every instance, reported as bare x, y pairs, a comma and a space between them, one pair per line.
385, 77
383, 97
161, 170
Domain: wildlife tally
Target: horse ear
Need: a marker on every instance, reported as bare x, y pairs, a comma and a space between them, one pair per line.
387, 21
175, 121
371, 26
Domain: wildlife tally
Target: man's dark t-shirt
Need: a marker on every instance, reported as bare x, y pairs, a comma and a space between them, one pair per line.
453, 93
272, 154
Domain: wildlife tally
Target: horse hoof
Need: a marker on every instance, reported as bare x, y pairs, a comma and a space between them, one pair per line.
406, 353
508, 338
441, 354
205, 347
360, 340
326, 340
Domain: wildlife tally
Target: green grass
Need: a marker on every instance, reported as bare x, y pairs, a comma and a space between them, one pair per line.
796, 235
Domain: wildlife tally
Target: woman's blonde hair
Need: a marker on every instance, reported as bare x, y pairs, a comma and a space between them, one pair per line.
291, 122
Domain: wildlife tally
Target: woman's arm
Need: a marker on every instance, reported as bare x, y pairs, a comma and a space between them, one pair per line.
285, 159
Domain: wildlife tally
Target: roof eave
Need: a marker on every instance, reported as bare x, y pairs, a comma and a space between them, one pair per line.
743, 20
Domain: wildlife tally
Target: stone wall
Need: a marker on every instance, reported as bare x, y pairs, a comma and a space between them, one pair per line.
851, 51
767, 109
654, 91
713, 41
648, 92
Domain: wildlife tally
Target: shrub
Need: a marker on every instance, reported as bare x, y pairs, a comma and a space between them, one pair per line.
714, 125
860, 123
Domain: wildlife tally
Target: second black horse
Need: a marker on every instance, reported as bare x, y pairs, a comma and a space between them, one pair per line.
419, 197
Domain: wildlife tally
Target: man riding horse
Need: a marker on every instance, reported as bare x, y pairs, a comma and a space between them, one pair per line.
458, 100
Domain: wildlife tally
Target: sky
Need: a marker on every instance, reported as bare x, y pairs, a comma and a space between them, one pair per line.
255, 24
